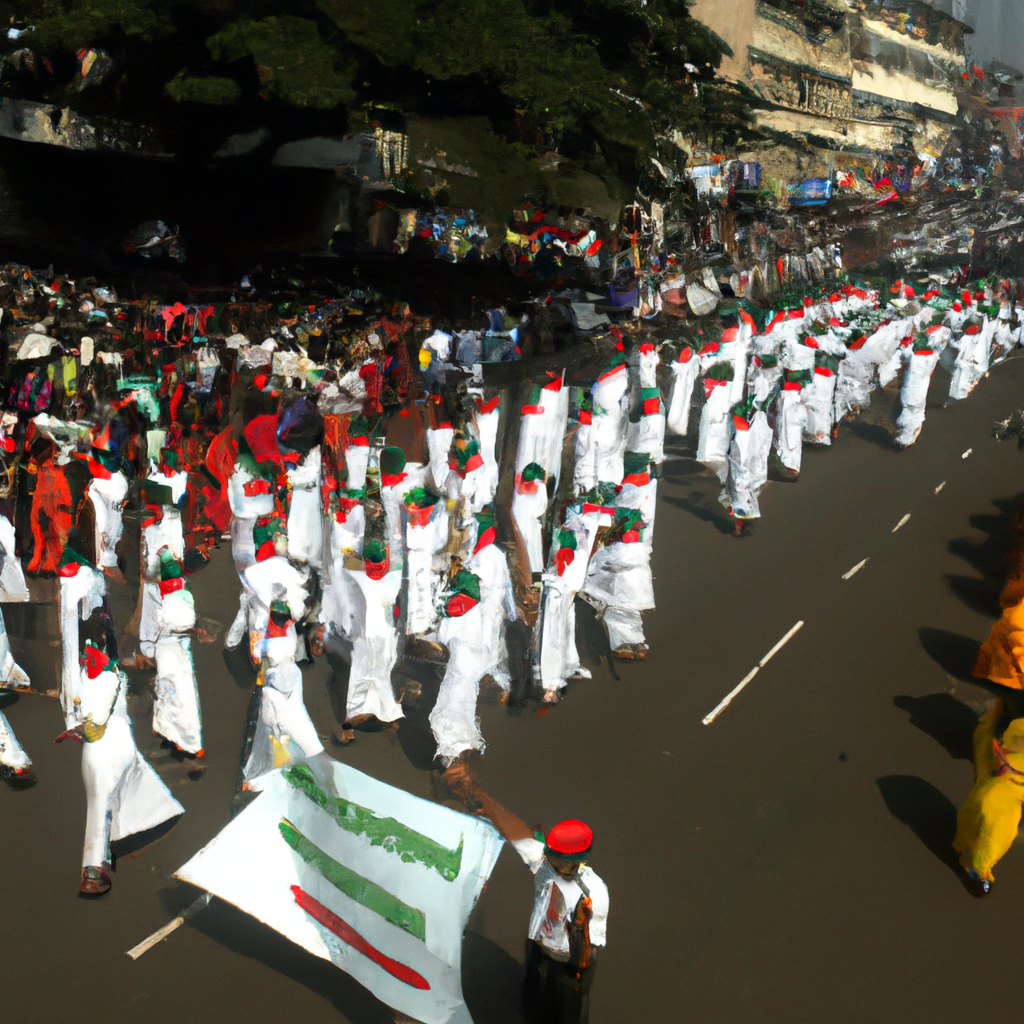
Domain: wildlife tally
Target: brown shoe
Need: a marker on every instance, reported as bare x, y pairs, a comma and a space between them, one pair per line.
95, 881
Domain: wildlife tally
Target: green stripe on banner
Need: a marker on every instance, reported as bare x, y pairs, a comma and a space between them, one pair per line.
353, 885
411, 846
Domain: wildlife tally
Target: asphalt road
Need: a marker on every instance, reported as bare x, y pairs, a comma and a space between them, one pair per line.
789, 862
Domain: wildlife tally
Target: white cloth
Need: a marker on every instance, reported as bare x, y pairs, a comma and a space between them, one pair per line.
284, 730
176, 712
423, 542
684, 373
556, 656
79, 596
107, 497
305, 518
715, 423
12, 755
914, 395
818, 396
12, 577
374, 648
476, 648
555, 899
790, 421
529, 507
748, 467
601, 458
124, 795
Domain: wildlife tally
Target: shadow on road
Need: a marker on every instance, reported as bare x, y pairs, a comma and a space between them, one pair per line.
988, 557
492, 982
955, 654
948, 721
929, 814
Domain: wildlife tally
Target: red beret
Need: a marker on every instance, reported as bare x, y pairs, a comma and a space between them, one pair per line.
569, 840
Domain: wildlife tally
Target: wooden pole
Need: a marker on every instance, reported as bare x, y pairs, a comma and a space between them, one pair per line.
160, 934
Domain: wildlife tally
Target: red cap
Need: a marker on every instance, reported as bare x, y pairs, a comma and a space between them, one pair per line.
569, 840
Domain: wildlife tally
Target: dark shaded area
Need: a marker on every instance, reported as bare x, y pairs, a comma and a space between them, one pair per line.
239, 665
988, 557
929, 814
955, 654
492, 982
873, 432
696, 506
232, 928
948, 721
137, 842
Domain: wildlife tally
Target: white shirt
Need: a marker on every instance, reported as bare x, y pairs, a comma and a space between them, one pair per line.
555, 899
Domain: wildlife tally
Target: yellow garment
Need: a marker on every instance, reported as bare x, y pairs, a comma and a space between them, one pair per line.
988, 821
1001, 658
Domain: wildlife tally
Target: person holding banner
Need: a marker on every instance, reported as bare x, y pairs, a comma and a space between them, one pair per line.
570, 909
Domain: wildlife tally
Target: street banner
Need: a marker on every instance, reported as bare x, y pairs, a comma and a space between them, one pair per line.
377, 881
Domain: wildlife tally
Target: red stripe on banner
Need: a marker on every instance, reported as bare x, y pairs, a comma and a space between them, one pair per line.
349, 935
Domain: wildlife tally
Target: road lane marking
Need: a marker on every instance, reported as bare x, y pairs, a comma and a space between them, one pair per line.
727, 700
856, 569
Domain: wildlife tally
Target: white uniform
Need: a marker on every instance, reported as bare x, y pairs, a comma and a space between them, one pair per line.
476, 648
555, 899
284, 730
12, 756
556, 657
124, 794
374, 647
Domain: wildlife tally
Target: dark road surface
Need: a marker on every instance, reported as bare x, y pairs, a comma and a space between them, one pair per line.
788, 863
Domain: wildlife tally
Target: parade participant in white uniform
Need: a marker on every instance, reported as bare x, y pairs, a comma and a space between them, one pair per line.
12, 588
973, 359
426, 533
375, 639
439, 443
715, 424
284, 731
685, 368
83, 591
176, 712
162, 493
819, 397
107, 492
124, 794
341, 597
569, 922
305, 521
749, 449
529, 508
478, 601
601, 460
556, 659
250, 495
647, 433
272, 576
488, 415
916, 379
13, 758
619, 582
791, 420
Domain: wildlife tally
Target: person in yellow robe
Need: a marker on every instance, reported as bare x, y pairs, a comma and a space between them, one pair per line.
1001, 658
987, 824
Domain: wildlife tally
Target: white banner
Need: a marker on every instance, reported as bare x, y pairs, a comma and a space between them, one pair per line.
377, 881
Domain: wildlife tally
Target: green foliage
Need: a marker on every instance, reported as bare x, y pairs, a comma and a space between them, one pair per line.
71, 24
213, 90
294, 62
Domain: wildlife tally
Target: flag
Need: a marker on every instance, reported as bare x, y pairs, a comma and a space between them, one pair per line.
377, 881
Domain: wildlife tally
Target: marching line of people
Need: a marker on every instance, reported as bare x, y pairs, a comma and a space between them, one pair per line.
382, 501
